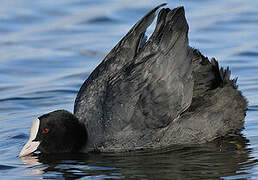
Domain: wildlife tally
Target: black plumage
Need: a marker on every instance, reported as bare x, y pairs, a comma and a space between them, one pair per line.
154, 93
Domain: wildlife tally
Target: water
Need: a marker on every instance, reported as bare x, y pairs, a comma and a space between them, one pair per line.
48, 48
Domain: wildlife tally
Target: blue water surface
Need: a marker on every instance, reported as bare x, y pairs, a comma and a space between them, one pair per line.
48, 48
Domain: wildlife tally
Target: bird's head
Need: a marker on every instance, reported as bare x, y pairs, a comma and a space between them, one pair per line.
56, 132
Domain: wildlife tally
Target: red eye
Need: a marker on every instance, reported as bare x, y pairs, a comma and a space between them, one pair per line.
46, 130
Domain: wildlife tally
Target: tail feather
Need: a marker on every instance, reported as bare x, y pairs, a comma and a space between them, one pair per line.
222, 75
218, 76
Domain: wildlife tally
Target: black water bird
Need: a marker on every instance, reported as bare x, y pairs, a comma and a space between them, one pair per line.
146, 94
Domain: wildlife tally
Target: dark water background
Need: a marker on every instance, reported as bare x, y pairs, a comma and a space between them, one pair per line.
48, 48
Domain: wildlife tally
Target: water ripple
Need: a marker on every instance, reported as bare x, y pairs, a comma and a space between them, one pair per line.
100, 20
5, 167
253, 108
248, 54
22, 99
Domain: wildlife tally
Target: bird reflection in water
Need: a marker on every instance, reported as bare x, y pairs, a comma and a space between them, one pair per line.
223, 157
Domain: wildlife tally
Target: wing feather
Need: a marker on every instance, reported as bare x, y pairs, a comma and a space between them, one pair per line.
157, 86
